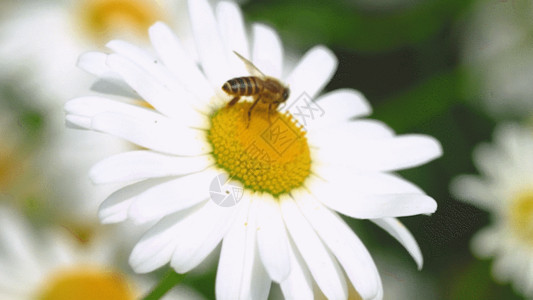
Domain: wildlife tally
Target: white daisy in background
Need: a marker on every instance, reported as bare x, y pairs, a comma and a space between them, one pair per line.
292, 179
498, 50
53, 265
42, 41
504, 189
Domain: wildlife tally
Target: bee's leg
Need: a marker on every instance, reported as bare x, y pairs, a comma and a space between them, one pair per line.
272, 108
250, 110
234, 100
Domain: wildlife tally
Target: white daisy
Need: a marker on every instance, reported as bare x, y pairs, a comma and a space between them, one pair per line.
53, 265
504, 189
497, 49
293, 179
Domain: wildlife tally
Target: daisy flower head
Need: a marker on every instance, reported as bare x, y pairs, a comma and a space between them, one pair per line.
54, 264
504, 188
288, 168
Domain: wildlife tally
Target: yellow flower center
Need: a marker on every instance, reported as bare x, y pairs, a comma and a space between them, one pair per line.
268, 154
86, 283
106, 19
521, 215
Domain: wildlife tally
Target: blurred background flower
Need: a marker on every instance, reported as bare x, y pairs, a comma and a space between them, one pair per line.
504, 189
452, 69
54, 264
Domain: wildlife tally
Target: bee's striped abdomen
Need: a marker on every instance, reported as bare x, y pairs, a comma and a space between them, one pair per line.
245, 86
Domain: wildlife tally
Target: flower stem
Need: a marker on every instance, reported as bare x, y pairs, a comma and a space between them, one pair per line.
169, 280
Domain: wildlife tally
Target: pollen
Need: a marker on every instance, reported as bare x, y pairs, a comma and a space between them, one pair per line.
521, 215
268, 154
86, 282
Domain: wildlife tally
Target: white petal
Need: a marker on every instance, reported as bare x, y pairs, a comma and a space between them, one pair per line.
237, 254
115, 208
272, 240
339, 106
16, 241
346, 200
199, 234
90, 106
142, 164
359, 131
267, 50
231, 25
474, 190
402, 234
159, 134
342, 242
77, 122
157, 71
311, 74
397, 153
157, 245
299, 285
486, 242
320, 262
175, 57
143, 60
393, 205
379, 296
171, 196
365, 182
156, 93
528, 284
504, 266
94, 63
488, 160
208, 42
260, 282
109, 81
12, 283
240, 274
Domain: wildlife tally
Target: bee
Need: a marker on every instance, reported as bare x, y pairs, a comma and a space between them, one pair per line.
266, 89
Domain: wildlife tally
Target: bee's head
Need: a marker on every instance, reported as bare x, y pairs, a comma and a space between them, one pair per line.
286, 93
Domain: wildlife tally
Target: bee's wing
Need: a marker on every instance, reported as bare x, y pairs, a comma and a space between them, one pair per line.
253, 70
